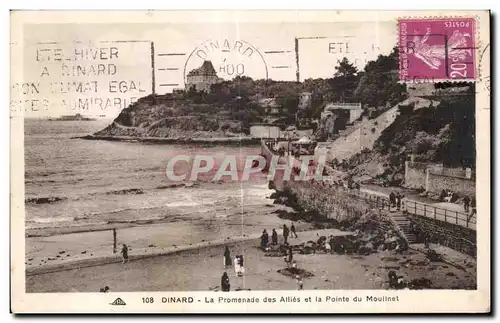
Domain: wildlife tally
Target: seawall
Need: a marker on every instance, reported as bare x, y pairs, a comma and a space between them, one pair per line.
446, 234
327, 201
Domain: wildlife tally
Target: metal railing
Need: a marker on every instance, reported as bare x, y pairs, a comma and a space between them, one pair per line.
455, 217
467, 220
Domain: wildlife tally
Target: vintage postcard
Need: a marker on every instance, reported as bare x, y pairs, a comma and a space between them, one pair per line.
250, 161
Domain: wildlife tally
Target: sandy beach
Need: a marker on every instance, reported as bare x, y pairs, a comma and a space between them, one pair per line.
176, 233
200, 269
49, 247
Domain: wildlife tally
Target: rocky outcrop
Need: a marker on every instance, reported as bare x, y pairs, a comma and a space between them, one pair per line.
169, 116
373, 229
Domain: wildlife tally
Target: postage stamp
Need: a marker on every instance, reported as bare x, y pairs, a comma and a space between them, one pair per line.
437, 49
249, 162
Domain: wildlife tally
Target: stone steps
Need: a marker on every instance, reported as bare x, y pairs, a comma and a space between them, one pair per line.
403, 223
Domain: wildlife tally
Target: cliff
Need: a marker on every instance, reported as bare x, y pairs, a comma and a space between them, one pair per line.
174, 116
441, 132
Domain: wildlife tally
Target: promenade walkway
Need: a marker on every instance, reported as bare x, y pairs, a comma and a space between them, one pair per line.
446, 212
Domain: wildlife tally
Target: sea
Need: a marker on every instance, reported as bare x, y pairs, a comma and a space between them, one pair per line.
72, 182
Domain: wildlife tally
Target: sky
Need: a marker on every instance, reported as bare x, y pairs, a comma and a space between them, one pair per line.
100, 68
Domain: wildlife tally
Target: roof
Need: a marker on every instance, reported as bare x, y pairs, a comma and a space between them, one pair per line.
268, 103
343, 106
205, 69
303, 140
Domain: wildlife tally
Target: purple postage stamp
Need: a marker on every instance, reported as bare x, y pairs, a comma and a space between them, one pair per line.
437, 49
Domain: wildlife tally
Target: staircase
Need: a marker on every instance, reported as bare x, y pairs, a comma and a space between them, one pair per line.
365, 134
402, 222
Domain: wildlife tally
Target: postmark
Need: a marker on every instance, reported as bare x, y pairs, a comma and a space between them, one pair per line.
484, 75
437, 49
229, 58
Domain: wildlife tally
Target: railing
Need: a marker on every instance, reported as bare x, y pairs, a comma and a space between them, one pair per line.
342, 105
413, 207
437, 213
418, 208
377, 201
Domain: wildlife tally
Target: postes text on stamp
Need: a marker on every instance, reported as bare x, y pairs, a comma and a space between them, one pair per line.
437, 49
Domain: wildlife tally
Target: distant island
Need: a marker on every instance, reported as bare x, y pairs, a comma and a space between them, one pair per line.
76, 117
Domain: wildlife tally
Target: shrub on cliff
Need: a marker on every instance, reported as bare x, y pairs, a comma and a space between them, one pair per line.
448, 130
379, 84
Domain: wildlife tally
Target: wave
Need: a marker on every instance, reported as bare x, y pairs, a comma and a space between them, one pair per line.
134, 191
126, 191
176, 185
138, 191
49, 220
44, 200
186, 204
136, 221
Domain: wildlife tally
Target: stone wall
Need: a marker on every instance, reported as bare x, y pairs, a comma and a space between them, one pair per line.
415, 175
327, 201
463, 186
446, 234
437, 179
263, 131
339, 205
354, 114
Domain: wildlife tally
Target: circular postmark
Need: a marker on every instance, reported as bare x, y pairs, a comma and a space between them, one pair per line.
484, 71
229, 58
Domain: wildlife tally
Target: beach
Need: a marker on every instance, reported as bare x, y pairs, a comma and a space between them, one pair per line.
81, 195
200, 269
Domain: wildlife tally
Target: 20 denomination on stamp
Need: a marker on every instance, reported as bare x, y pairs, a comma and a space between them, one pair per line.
441, 49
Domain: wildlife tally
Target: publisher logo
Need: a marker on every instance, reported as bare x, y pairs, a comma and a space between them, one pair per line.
118, 301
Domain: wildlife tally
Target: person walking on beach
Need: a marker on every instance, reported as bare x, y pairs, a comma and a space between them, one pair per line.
224, 282
466, 203
293, 232
124, 253
286, 232
238, 266
289, 258
300, 282
274, 237
242, 266
264, 240
227, 261
331, 242
426, 240
392, 199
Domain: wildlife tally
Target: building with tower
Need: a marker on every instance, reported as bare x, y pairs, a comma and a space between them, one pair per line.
202, 78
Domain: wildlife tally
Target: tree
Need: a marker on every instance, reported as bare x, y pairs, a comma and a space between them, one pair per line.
345, 80
379, 84
289, 102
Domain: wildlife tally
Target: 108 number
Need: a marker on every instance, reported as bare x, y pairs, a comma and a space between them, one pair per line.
148, 300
